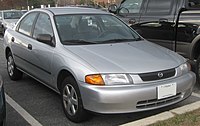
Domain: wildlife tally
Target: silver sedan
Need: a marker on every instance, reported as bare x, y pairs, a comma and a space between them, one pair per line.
96, 62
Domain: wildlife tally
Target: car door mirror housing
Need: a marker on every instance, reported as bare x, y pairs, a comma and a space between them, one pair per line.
45, 38
191, 6
123, 10
112, 8
0, 18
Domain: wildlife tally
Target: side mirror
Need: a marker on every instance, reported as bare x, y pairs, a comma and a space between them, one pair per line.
112, 8
45, 38
123, 11
189, 5
0, 18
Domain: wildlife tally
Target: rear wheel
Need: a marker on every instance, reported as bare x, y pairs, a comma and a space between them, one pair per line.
13, 72
72, 102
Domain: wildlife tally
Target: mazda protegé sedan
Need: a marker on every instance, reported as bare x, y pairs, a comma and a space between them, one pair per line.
96, 62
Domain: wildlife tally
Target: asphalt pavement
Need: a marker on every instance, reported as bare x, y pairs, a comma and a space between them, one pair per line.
31, 103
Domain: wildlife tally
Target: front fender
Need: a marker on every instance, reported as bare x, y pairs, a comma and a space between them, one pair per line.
195, 42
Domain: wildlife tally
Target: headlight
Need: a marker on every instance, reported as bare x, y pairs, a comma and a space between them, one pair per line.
184, 68
5, 24
115, 79
108, 79
12, 25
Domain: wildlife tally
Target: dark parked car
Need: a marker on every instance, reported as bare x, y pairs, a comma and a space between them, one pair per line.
2, 104
174, 24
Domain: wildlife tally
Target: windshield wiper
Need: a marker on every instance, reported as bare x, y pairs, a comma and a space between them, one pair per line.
121, 40
77, 42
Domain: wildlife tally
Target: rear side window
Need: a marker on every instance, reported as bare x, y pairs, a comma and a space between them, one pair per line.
27, 23
133, 6
159, 6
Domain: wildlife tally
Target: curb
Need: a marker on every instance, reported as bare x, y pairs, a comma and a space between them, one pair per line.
164, 115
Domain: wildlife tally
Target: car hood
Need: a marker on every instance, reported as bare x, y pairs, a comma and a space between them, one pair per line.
11, 20
130, 57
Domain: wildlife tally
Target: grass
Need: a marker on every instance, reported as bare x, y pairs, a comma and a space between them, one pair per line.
187, 119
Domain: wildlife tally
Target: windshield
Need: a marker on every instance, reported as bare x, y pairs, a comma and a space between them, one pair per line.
12, 14
133, 6
93, 29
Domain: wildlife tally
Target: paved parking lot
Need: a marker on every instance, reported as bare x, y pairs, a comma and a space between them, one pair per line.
36, 104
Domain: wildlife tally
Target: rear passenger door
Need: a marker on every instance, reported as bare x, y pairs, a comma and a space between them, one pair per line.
157, 22
21, 39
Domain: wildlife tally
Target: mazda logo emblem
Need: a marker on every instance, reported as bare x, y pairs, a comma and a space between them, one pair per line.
160, 75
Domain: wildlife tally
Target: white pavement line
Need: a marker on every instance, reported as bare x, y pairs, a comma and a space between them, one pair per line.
150, 120
166, 115
196, 95
22, 112
186, 108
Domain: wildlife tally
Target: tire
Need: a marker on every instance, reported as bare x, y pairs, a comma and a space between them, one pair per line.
13, 72
72, 102
3, 31
197, 70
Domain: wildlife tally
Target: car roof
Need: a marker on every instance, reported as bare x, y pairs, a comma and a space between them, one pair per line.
73, 10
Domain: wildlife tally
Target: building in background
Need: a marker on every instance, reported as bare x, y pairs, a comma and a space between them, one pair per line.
82, 2
24, 4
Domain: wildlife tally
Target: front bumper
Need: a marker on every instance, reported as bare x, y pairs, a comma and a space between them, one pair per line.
133, 98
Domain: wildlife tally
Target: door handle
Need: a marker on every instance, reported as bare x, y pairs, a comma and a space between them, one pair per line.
12, 39
29, 46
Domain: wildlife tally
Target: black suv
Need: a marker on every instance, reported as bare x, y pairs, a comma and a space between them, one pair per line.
174, 24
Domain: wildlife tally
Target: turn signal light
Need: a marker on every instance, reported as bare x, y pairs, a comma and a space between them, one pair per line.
94, 79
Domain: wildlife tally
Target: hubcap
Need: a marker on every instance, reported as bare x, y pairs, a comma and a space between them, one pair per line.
10, 66
70, 100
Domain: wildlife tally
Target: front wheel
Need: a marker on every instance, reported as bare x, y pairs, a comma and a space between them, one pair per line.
3, 31
13, 72
72, 102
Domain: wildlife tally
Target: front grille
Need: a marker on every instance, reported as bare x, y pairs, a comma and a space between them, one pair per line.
157, 75
155, 102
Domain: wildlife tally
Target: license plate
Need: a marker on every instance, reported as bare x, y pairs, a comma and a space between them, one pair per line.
167, 90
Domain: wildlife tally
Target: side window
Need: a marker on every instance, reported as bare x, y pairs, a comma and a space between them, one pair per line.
0, 14
133, 6
27, 23
159, 6
43, 26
